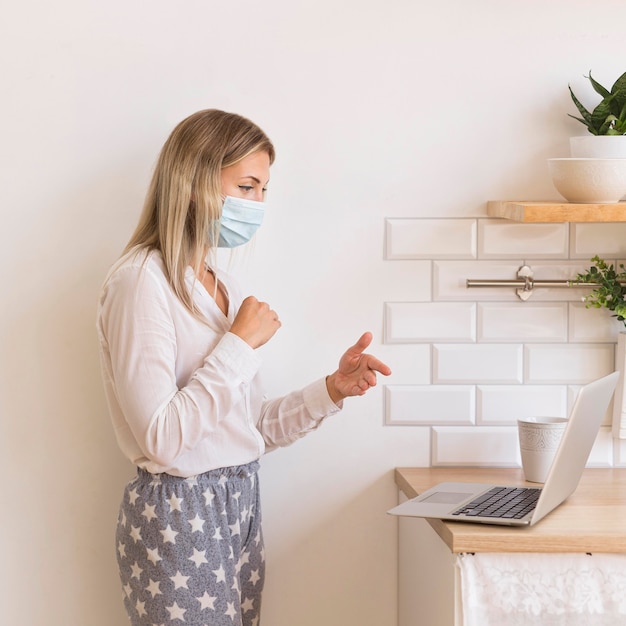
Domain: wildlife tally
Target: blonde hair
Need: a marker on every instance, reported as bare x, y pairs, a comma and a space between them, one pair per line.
183, 204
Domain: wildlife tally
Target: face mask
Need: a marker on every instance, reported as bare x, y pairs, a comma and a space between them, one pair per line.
240, 220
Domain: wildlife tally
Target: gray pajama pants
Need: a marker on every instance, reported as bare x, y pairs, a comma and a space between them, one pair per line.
190, 550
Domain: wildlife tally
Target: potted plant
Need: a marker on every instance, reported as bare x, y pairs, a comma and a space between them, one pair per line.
606, 123
609, 287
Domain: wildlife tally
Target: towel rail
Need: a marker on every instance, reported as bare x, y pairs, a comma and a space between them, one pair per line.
471, 282
525, 283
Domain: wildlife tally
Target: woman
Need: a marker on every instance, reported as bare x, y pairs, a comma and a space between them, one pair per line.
180, 367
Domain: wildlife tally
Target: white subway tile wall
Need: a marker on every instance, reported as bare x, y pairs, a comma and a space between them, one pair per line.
430, 404
502, 239
504, 404
485, 363
522, 321
416, 322
494, 358
475, 445
589, 238
430, 239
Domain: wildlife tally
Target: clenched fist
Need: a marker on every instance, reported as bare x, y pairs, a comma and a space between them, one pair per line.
255, 322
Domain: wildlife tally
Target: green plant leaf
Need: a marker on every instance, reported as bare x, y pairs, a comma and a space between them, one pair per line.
607, 127
609, 289
619, 88
609, 115
599, 116
586, 115
597, 87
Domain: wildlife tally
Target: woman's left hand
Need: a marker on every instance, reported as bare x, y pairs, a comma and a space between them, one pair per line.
356, 372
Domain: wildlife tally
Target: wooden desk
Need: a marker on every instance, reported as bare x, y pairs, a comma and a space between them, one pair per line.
593, 519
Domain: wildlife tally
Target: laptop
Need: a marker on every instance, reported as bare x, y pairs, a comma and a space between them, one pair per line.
477, 502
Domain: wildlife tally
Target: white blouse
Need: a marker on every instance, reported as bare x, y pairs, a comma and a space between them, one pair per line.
185, 397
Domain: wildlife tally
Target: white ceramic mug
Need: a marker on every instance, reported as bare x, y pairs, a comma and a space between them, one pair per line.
539, 438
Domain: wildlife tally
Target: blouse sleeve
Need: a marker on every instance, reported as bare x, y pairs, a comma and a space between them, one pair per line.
139, 338
284, 420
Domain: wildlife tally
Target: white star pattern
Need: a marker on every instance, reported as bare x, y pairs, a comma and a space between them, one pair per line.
154, 588
153, 555
235, 529
198, 557
169, 534
196, 523
141, 608
220, 573
207, 601
245, 558
187, 530
135, 533
230, 611
254, 577
179, 581
136, 570
148, 512
176, 612
133, 495
175, 503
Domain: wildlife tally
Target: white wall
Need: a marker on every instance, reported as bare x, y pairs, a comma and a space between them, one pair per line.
379, 110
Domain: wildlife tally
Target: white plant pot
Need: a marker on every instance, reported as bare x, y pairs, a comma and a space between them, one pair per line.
598, 147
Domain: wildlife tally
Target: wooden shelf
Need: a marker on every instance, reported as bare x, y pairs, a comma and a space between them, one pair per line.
537, 212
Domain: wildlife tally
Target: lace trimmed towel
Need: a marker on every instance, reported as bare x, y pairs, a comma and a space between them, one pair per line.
543, 589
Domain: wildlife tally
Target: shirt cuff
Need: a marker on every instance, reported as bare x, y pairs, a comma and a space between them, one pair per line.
238, 356
318, 402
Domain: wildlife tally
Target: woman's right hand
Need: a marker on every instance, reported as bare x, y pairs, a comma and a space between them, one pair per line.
255, 322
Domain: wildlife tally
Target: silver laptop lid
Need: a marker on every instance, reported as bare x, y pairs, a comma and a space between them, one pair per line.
580, 434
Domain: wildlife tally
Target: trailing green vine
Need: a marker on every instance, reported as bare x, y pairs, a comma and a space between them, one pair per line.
610, 292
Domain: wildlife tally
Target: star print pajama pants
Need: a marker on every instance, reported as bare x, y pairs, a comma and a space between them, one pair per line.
190, 550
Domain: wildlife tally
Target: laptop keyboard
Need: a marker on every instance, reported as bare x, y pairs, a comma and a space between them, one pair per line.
502, 502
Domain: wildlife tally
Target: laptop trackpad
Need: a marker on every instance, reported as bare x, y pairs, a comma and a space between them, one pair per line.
446, 497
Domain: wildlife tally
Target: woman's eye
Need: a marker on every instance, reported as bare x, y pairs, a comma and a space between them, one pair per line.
245, 187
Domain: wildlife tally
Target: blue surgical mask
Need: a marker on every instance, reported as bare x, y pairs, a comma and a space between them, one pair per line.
240, 220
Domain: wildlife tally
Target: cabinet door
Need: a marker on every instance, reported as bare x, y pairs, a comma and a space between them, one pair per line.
427, 577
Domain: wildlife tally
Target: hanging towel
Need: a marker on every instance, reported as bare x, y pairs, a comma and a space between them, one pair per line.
543, 589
